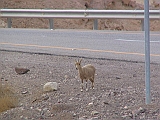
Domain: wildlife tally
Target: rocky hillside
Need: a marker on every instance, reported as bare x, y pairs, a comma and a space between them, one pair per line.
103, 24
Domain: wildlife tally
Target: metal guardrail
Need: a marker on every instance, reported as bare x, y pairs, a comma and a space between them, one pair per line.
77, 14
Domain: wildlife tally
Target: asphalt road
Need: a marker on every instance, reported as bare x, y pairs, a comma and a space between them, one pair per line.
119, 45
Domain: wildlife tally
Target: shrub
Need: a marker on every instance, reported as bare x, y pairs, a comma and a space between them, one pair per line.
8, 98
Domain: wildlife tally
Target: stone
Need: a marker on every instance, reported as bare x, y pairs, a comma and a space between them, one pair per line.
71, 99
74, 114
106, 103
90, 104
156, 3
126, 2
94, 112
139, 111
132, 3
21, 70
66, 76
50, 86
125, 107
118, 78
94, 118
158, 117
24, 92
44, 97
81, 118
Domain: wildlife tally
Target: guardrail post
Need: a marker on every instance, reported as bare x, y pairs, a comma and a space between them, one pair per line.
51, 23
9, 22
95, 24
142, 25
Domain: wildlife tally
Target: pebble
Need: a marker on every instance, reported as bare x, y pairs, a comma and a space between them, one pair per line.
94, 118
105, 102
38, 109
71, 99
74, 114
125, 107
44, 97
94, 112
137, 112
158, 117
118, 78
66, 76
90, 104
81, 118
24, 92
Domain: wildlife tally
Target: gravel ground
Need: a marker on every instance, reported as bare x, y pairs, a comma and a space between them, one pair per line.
119, 92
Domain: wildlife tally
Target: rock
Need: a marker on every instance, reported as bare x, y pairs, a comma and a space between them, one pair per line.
156, 3
44, 97
141, 110
126, 2
38, 109
71, 99
24, 92
125, 107
86, 5
74, 114
66, 76
105, 102
21, 70
127, 116
94, 118
134, 75
90, 104
50, 86
94, 112
137, 112
81, 118
132, 4
158, 117
118, 78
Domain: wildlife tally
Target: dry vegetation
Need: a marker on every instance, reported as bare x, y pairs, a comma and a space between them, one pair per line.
8, 98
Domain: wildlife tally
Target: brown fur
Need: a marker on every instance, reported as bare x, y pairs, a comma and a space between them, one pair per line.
86, 72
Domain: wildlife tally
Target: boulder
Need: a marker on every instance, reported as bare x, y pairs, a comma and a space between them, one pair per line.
50, 86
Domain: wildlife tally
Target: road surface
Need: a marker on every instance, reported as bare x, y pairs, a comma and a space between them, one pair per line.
121, 45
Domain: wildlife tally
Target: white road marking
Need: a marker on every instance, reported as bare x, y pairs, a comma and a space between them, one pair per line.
136, 40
